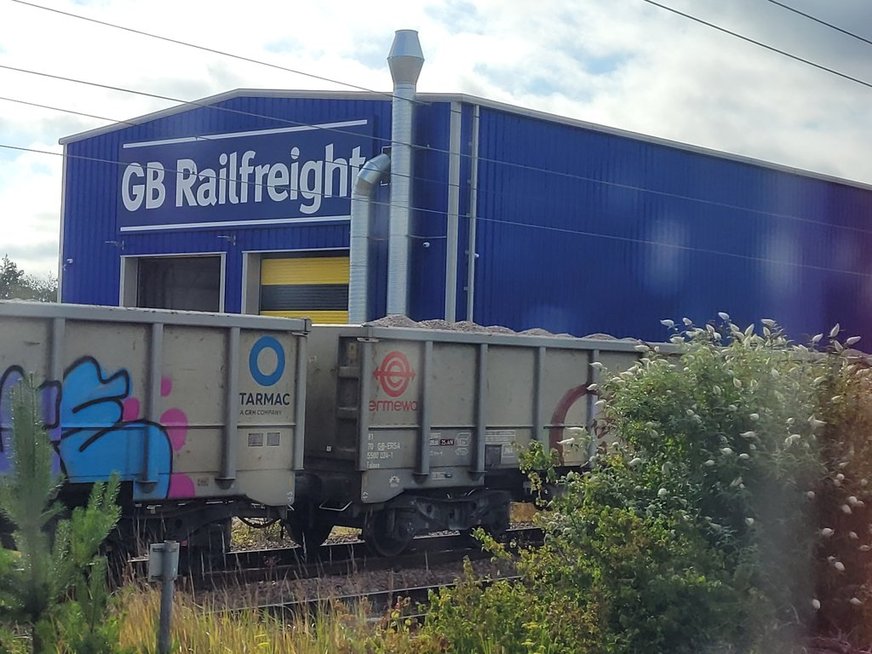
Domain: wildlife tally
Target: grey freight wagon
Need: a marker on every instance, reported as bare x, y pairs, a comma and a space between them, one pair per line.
412, 430
200, 414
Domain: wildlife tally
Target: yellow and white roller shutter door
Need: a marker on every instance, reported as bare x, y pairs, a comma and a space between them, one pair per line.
305, 286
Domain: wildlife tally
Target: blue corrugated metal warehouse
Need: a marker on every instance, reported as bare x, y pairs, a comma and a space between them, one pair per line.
350, 206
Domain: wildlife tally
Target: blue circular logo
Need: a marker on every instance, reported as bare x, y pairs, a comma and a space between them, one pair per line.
262, 378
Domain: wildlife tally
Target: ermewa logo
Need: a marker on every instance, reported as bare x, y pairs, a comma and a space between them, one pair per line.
394, 374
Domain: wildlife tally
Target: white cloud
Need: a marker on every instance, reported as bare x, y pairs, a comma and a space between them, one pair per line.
29, 209
629, 65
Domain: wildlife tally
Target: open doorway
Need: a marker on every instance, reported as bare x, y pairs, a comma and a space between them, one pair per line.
184, 283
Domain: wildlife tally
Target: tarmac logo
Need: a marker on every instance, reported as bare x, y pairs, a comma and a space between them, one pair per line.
269, 378
394, 374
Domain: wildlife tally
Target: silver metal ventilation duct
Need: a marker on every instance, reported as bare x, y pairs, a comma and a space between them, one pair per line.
405, 61
368, 178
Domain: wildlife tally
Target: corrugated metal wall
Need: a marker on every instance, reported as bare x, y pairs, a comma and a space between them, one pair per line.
91, 261
577, 230
91, 237
430, 202
583, 231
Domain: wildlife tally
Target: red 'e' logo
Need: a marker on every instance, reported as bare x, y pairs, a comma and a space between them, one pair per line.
394, 374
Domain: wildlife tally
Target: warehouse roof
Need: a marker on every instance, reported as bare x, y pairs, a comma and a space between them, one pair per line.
448, 97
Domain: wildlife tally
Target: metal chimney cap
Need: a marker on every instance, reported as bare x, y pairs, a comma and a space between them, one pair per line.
405, 58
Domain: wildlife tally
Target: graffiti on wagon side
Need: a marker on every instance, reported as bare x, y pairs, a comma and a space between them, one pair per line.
94, 422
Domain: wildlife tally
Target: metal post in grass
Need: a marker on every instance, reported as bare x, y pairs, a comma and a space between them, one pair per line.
163, 566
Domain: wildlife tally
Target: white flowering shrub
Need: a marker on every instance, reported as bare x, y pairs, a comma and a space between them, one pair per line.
729, 515
841, 498
761, 446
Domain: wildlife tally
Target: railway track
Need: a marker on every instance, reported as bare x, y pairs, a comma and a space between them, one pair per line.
377, 602
348, 558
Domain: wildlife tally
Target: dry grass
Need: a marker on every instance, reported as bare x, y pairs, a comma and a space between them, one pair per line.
244, 537
203, 628
523, 512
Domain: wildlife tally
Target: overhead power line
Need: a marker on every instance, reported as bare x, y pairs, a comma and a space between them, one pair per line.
549, 228
66, 111
498, 162
496, 194
331, 80
822, 22
463, 155
197, 137
214, 176
191, 103
494, 161
784, 53
203, 48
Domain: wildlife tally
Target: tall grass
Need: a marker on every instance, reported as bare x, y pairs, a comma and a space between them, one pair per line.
208, 629
202, 623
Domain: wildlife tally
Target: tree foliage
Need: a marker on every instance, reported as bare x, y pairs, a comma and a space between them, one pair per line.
53, 586
16, 284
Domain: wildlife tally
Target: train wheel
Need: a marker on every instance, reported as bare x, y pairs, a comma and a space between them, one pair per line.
498, 522
389, 532
496, 526
206, 548
309, 528
118, 547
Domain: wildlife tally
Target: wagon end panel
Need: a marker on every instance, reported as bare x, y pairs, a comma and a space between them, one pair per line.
422, 410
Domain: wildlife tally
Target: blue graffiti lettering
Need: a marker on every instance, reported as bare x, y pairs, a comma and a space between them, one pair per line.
85, 416
50, 397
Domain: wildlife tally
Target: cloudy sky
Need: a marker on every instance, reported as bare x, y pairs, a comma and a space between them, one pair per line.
622, 63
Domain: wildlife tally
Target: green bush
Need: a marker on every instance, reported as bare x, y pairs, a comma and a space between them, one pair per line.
842, 497
499, 618
728, 515
53, 586
725, 434
607, 580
